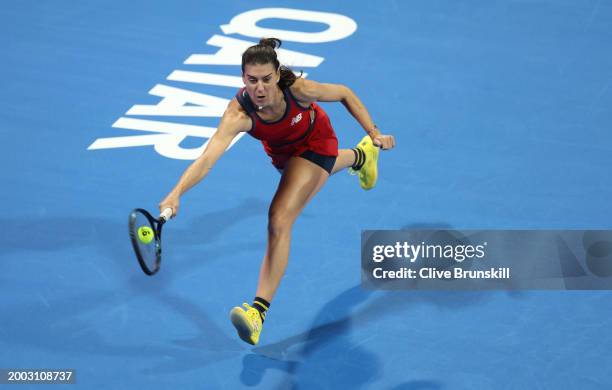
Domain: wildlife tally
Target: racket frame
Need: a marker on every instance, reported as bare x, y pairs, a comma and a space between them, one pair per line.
157, 229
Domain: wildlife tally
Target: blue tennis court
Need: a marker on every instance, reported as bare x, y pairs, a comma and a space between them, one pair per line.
502, 113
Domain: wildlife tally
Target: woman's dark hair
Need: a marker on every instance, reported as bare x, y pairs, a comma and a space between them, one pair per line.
264, 53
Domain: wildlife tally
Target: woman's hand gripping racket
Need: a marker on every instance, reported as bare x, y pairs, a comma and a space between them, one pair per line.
145, 234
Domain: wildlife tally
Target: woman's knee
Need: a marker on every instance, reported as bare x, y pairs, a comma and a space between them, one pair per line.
280, 221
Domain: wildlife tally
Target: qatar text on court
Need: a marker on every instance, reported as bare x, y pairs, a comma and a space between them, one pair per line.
166, 137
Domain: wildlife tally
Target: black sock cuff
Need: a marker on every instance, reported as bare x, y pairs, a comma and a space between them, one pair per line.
260, 303
359, 159
262, 306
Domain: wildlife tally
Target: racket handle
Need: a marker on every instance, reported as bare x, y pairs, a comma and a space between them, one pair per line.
166, 214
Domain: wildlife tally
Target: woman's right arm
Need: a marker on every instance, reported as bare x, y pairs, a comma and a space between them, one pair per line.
233, 122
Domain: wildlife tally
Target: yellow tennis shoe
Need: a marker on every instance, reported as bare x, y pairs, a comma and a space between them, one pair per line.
368, 174
247, 322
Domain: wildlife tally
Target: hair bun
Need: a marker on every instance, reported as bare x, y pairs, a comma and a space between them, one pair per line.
274, 43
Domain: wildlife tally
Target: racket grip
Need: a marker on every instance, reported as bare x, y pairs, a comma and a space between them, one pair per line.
166, 214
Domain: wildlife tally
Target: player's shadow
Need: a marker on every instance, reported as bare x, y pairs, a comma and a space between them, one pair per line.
326, 356
323, 357
52, 233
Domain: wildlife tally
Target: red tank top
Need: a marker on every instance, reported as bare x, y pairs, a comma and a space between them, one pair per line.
298, 130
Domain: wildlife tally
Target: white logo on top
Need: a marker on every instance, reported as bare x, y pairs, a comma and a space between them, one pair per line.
296, 119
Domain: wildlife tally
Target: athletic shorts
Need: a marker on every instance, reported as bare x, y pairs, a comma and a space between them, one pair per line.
325, 162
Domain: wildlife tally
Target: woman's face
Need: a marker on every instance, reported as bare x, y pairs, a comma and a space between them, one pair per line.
260, 81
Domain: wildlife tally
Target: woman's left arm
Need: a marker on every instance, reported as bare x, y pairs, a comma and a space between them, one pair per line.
309, 91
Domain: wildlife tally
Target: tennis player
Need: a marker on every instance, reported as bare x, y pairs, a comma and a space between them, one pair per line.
279, 109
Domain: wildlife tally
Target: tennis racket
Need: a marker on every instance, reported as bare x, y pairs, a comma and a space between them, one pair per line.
145, 234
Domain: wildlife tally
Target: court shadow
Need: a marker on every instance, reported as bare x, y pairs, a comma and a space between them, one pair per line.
64, 328
48, 233
209, 335
419, 385
178, 263
427, 226
209, 345
326, 356
108, 238
254, 367
74, 326
323, 357
211, 225
56, 233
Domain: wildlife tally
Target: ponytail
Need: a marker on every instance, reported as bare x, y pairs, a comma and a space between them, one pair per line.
265, 53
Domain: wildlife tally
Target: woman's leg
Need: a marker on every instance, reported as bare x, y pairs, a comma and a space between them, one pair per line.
301, 180
346, 159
